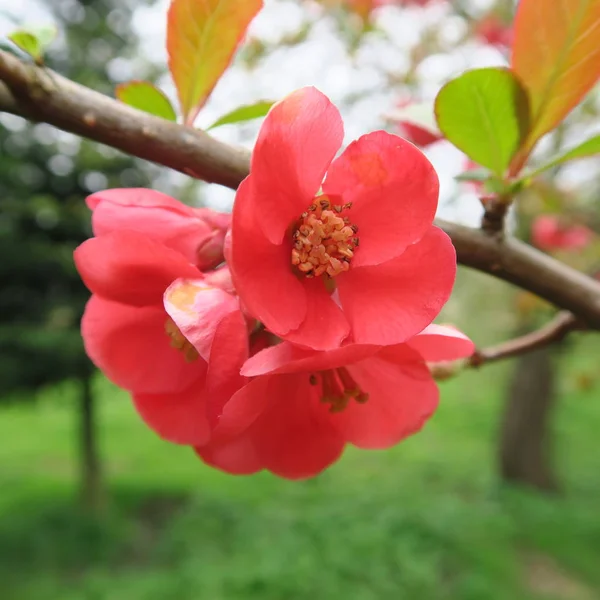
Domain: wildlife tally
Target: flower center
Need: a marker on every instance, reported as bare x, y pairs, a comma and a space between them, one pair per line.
338, 388
324, 240
180, 342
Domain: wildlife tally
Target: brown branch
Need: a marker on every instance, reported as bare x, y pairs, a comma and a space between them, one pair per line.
38, 94
527, 268
554, 331
494, 213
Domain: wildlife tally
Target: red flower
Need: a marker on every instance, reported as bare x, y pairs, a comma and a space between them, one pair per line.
295, 417
548, 233
360, 258
136, 327
416, 122
493, 31
196, 233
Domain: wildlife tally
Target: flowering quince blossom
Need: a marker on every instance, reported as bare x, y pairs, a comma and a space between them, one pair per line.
197, 233
142, 269
353, 256
415, 132
493, 31
302, 406
548, 233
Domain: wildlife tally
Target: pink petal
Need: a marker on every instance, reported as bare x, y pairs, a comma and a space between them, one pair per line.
438, 343
402, 396
197, 308
389, 303
128, 267
229, 351
289, 358
262, 271
131, 347
325, 325
242, 410
179, 418
136, 198
236, 456
295, 146
294, 437
394, 193
156, 215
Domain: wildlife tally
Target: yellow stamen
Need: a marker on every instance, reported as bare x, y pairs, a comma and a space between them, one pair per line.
338, 387
180, 342
324, 240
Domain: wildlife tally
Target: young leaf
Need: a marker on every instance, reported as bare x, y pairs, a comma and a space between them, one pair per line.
28, 43
584, 150
202, 36
556, 54
243, 113
144, 96
484, 113
34, 40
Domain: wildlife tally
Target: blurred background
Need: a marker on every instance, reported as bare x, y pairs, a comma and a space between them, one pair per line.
497, 498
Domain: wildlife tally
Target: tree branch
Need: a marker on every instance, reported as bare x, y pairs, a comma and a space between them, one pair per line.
38, 94
554, 331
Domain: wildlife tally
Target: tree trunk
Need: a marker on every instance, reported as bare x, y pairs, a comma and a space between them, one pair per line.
91, 477
525, 440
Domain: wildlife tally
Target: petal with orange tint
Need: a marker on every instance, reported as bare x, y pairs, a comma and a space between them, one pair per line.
297, 142
438, 343
393, 189
402, 396
131, 347
128, 267
389, 303
262, 271
197, 308
177, 417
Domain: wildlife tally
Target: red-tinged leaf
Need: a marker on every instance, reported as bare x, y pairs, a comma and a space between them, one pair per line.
556, 54
145, 96
202, 37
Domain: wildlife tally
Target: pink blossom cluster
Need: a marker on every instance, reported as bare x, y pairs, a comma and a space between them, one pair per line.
273, 337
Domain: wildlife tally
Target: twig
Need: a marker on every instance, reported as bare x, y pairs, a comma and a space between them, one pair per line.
494, 213
38, 94
554, 331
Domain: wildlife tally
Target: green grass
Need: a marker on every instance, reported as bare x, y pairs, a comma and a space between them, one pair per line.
425, 521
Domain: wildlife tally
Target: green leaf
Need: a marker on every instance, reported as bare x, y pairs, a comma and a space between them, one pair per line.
28, 43
244, 113
34, 40
584, 150
485, 114
145, 96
